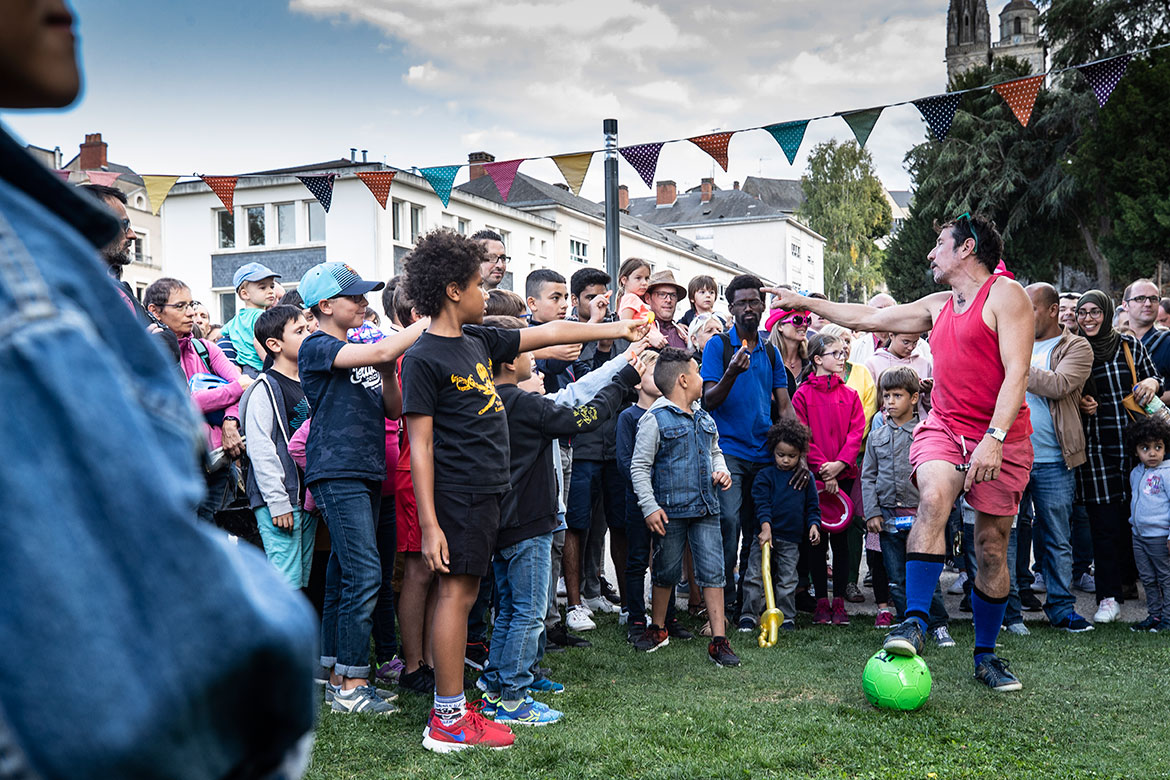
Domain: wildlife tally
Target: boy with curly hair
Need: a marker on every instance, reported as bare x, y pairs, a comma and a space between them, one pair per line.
1149, 439
460, 452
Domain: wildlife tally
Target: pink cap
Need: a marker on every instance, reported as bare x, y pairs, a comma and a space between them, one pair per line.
779, 314
1001, 270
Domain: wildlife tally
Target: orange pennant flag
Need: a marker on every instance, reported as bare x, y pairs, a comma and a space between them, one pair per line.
223, 186
379, 184
714, 145
1021, 96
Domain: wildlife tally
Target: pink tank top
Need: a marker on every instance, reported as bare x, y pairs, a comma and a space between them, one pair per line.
968, 371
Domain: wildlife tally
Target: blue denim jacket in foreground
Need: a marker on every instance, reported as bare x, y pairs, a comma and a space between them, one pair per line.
675, 454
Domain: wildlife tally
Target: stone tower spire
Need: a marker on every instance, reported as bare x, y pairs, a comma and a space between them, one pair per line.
968, 36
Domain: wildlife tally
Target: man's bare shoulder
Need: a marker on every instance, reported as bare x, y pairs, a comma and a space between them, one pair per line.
934, 303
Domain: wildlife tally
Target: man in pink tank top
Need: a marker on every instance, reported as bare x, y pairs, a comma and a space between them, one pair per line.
976, 438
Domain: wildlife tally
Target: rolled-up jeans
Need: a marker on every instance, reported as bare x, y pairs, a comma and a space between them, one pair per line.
706, 545
522, 574
1049, 496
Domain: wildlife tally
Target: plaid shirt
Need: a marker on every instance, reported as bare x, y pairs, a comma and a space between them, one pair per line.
1104, 478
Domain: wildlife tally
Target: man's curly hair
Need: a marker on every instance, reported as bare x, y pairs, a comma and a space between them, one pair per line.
440, 258
791, 432
1145, 430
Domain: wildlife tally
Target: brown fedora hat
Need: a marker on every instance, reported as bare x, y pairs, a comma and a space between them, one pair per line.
666, 279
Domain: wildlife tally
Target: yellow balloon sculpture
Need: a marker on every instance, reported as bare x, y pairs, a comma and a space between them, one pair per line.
772, 618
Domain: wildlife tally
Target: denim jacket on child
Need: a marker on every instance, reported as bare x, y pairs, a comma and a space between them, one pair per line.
675, 454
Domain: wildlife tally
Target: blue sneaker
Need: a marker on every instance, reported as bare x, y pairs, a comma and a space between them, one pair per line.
528, 713
545, 685
491, 702
1074, 624
994, 672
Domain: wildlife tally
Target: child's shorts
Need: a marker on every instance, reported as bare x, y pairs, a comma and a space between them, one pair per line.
409, 537
706, 537
471, 523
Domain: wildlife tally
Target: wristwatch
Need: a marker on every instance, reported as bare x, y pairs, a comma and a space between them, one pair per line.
999, 434
232, 419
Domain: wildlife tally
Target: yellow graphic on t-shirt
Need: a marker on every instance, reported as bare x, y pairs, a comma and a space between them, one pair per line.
484, 385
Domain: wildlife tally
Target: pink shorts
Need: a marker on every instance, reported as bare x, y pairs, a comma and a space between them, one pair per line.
406, 514
933, 440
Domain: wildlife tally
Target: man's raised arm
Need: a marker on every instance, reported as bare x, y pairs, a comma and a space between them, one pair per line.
914, 317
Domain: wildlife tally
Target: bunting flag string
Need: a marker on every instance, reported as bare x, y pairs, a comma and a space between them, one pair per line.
644, 158
789, 135
714, 145
103, 178
939, 112
862, 122
441, 179
157, 189
321, 187
63, 174
1021, 96
378, 183
1104, 75
222, 186
574, 167
503, 174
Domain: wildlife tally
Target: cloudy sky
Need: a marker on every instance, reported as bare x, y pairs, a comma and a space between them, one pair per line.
227, 86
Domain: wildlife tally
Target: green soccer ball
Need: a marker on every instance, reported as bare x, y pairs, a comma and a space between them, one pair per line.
896, 682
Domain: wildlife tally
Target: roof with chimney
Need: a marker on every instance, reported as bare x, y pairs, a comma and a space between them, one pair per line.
787, 195
689, 208
529, 193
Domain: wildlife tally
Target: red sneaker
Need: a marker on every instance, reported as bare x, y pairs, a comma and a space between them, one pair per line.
472, 730
823, 614
885, 619
840, 616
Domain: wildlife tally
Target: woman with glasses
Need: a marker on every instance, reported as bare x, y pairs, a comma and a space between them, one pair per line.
1123, 379
788, 332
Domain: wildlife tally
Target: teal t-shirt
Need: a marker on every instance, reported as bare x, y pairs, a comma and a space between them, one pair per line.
241, 329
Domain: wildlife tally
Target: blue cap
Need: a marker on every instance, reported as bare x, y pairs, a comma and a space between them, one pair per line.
252, 272
329, 280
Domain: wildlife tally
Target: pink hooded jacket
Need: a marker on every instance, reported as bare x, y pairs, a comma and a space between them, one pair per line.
226, 397
833, 412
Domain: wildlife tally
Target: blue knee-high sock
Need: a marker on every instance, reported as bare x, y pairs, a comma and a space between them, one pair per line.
988, 615
922, 573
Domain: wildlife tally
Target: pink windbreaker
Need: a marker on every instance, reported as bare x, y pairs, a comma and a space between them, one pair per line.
226, 397
833, 412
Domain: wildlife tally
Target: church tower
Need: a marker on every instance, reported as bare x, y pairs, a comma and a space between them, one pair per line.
1019, 34
968, 36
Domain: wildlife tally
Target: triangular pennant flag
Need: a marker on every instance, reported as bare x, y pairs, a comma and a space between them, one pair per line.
1021, 95
574, 167
503, 174
714, 145
379, 184
103, 178
789, 135
644, 158
1103, 76
441, 179
63, 174
223, 186
321, 187
157, 188
939, 112
862, 122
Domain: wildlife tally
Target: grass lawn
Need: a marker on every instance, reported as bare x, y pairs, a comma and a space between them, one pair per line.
1093, 705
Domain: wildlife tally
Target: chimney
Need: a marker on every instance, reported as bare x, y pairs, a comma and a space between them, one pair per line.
667, 191
364, 154
93, 153
477, 159
708, 186
623, 199
353, 154
735, 186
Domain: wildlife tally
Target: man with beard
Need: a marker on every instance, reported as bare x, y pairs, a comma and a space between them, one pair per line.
743, 376
495, 264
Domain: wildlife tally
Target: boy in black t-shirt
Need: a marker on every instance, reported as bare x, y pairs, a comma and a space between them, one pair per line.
345, 465
459, 452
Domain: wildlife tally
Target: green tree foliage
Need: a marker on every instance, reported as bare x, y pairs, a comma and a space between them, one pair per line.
846, 203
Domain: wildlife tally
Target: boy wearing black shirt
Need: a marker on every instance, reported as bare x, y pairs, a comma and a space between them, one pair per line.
459, 444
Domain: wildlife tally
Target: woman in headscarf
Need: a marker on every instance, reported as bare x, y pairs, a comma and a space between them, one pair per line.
1124, 378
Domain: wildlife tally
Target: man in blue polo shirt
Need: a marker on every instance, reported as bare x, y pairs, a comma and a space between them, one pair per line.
742, 376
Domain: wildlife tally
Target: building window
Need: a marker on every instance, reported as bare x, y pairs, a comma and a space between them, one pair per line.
286, 223
531, 245
316, 221
225, 222
416, 223
543, 248
795, 250
1018, 25
578, 251
464, 227
396, 220
255, 225
139, 291
227, 306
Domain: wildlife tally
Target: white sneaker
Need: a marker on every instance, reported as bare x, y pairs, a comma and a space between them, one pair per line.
1107, 611
600, 604
624, 617
561, 591
1038, 585
578, 619
1019, 629
956, 588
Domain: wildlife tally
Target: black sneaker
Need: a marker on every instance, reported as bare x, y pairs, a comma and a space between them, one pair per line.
608, 592
561, 636
1029, 601
1151, 623
676, 630
476, 655
1074, 624
421, 680
651, 639
747, 624
993, 672
720, 652
906, 639
634, 630
805, 602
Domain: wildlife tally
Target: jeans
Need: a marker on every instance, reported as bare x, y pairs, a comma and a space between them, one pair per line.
521, 573
1153, 565
704, 535
894, 558
783, 559
1014, 612
477, 619
385, 637
596, 492
218, 483
639, 543
736, 514
354, 574
1049, 498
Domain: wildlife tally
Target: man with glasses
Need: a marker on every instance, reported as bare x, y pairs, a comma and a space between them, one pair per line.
495, 266
663, 294
976, 438
1143, 302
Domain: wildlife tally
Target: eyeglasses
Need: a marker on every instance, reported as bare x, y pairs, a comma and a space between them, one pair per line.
125, 223
1090, 314
1143, 299
501, 260
970, 226
665, 295
358, 299
840, 354
181, 305
797, 320
752, 303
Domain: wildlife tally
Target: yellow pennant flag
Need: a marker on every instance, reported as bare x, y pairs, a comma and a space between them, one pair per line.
574, 167
157, 189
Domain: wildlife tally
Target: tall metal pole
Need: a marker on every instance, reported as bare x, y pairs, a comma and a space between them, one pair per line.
613, 257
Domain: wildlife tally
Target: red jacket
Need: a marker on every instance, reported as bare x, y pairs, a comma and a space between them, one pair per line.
833, 412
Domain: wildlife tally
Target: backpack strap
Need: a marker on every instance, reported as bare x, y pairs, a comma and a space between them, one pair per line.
728, 352
201, 350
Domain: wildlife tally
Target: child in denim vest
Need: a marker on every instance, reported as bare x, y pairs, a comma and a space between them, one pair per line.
674, 469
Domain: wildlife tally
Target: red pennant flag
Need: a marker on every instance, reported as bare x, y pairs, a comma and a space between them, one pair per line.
714, 145
503, 174
223, 186
103, 178
379, 184
63, 174
1021, 96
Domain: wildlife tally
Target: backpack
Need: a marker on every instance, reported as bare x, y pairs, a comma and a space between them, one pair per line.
214, 419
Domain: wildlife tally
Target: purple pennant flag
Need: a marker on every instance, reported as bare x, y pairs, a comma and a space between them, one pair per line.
644, 158
939, 111
321, 187
503, 174
1103, 76
441, 179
